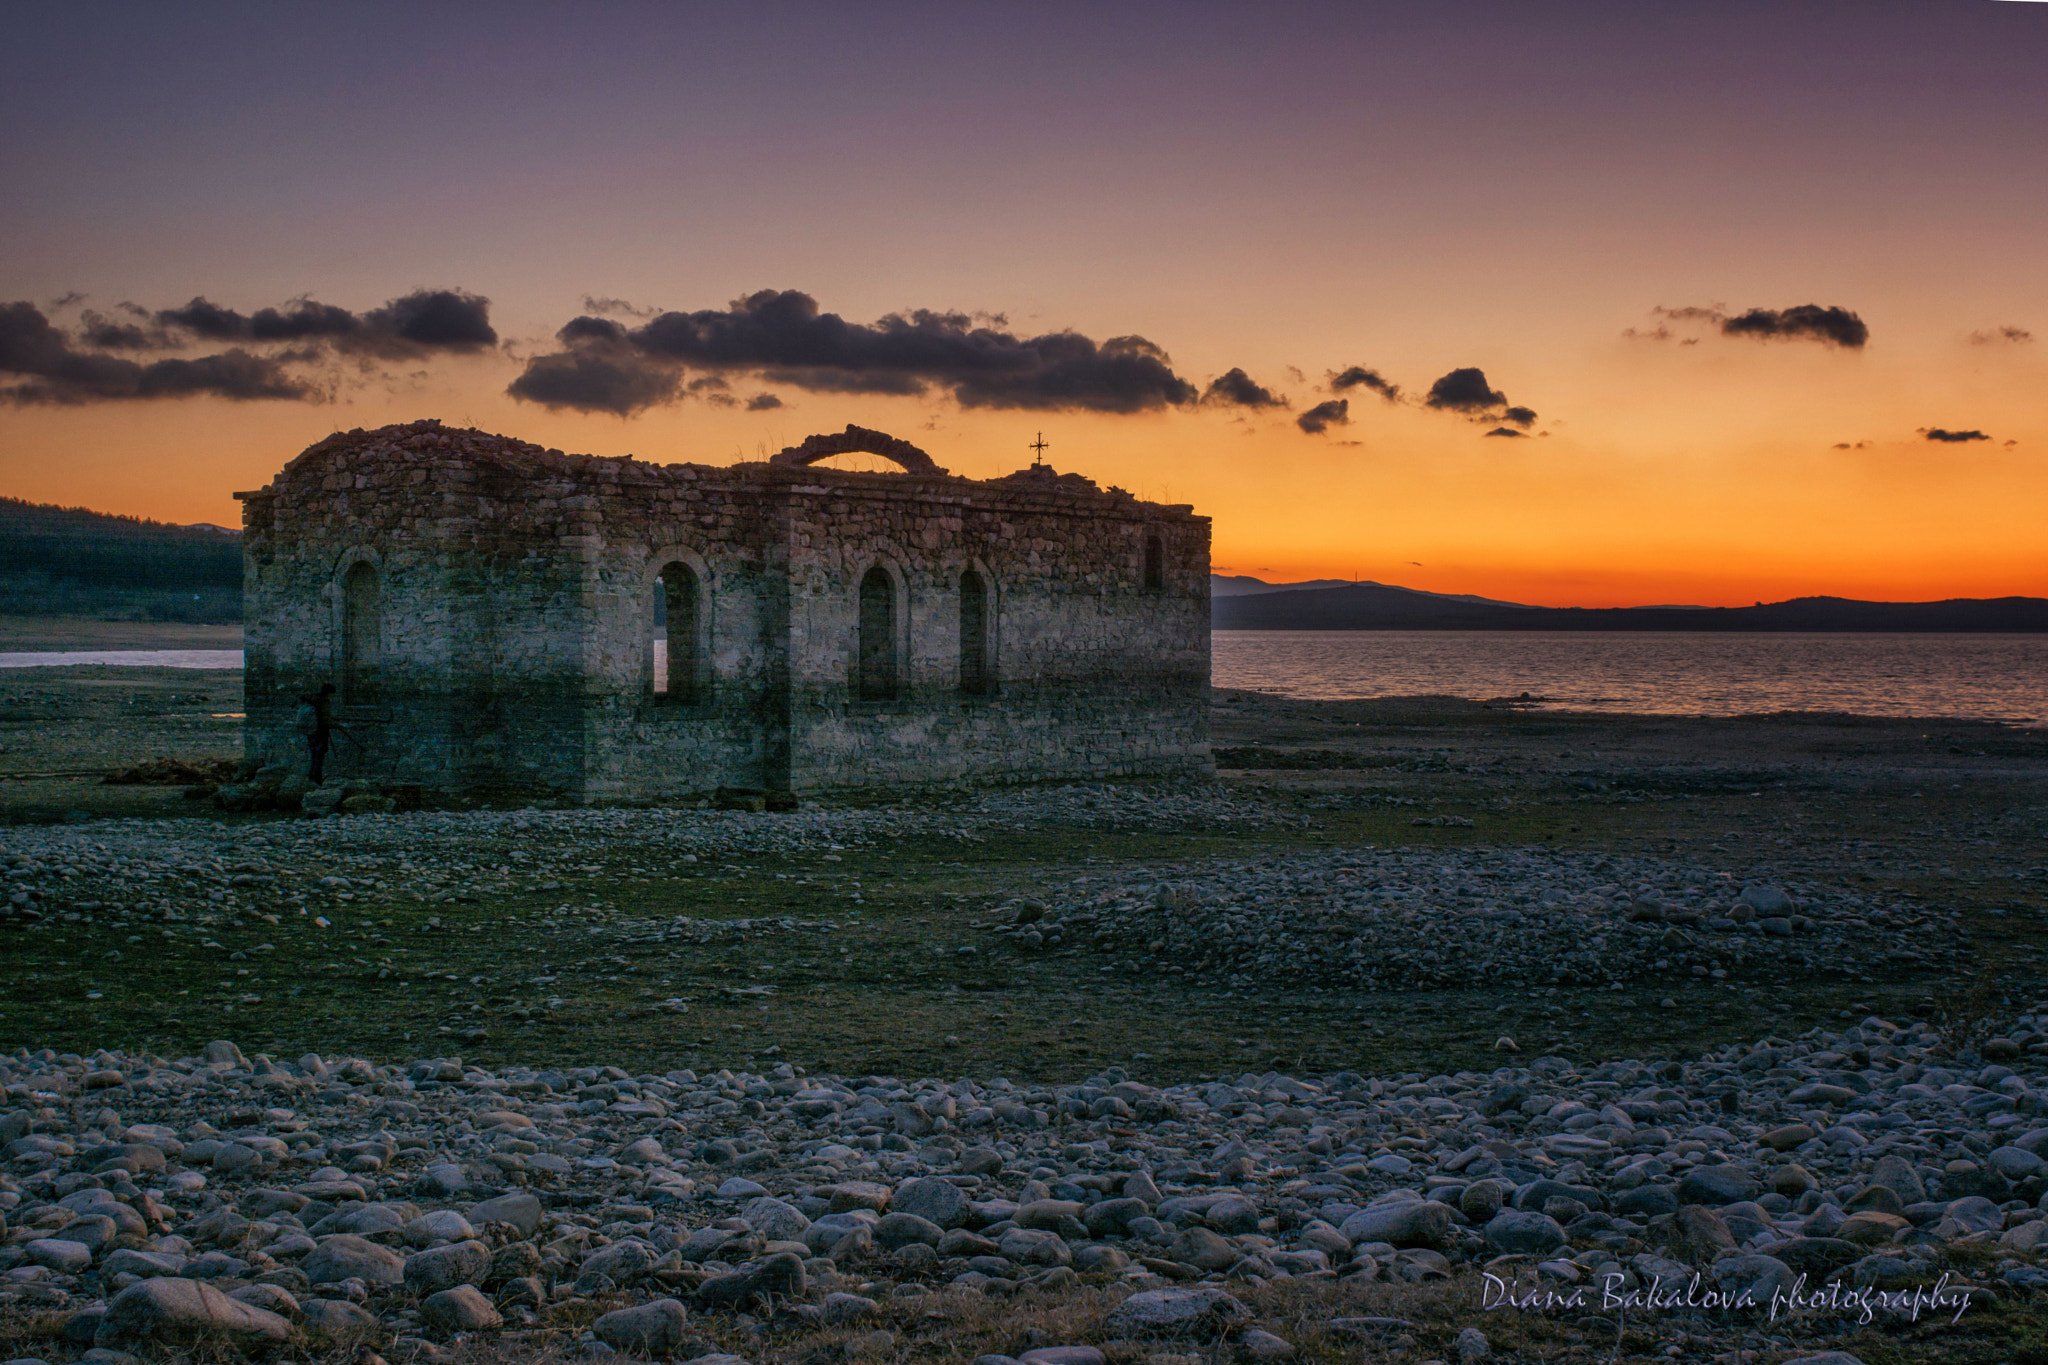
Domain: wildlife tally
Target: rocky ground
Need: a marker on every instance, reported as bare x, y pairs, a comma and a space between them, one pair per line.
1876, 1183
1421, 1005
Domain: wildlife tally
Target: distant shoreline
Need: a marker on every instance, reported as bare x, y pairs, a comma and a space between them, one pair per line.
1376, 607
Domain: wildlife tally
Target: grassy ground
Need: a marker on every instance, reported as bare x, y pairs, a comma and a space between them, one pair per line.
511, 973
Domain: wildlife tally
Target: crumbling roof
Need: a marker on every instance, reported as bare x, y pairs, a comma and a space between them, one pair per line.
857, 441
1043, 476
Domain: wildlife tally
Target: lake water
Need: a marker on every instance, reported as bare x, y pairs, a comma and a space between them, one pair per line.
1999, 677
126, 658
1992, 677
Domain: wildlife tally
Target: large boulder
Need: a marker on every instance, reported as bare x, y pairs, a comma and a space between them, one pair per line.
318, 801
623, 1262
1112, 1217
60, 1254
1646, 1201
1405, 1223
774, 1219
1897, 1174
932, 1199
780, 1276
900, 1229
442, 1225
1753, 1278
1232, 1214
522, 1211
430, 1272
1714, 1186
1035, 1246
1177, 1312
1700, 1235
1524, 1233
648, 1329
168, 1311
345, 1256
1203, 1249
461, 1309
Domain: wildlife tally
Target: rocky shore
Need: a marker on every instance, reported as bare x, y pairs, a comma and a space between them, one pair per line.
315, 1203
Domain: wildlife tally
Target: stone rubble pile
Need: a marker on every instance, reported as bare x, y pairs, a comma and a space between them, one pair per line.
153, 1201
1409, 919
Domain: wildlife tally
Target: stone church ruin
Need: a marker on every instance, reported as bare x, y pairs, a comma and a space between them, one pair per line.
500, 617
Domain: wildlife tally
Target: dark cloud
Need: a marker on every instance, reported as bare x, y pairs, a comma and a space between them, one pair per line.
783, 336
1357, 376
592, 304
414, 324
1238, 389
1952, 437
435, 319
135, 332
91, 362
762, 402
839, 381
1323, 416
230, 374
1806, 321
206, 320
1466, 392
305, 320
614, 380
2002, 336
1715, 314
1506, 431
54, 369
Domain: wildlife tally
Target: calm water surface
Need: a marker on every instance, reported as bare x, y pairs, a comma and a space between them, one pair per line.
126, 658
1999, 677
1995, 677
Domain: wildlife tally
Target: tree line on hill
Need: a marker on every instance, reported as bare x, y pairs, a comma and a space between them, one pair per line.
69, 561
1379, 607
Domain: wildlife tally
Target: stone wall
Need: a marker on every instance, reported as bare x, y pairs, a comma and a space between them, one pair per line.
515, 593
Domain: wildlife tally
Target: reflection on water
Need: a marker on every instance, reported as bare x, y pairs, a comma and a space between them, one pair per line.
2003, 677
1998, 677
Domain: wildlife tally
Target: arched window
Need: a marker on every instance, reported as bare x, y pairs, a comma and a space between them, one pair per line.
361, 633
1155, 564
975, 678
877, 636
678, 670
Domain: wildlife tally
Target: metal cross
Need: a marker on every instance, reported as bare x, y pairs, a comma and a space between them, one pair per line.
1038, 446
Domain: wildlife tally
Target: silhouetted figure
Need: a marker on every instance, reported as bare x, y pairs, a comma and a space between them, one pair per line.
316, 722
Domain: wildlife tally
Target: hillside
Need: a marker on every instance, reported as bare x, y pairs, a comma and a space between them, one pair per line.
70, 561
1376, 607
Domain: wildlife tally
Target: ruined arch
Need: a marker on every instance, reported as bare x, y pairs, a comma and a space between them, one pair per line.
676, 627
856, 441
977, 639
881, 632
358, 589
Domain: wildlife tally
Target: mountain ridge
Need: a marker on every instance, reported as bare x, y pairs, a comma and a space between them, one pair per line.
1383, 607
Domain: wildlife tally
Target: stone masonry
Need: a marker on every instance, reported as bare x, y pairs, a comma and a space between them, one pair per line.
500, 617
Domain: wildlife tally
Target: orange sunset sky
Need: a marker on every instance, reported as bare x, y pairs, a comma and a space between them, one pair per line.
1757, 294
